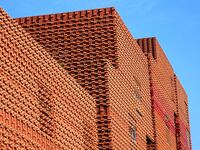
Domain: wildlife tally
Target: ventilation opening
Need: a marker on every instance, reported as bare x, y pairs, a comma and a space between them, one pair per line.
150, 144
132, 131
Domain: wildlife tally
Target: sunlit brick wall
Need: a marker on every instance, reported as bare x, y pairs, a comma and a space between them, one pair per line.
183, 122
129, 93
163, 93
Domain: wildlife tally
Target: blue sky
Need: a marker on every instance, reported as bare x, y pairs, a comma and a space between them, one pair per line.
176, 24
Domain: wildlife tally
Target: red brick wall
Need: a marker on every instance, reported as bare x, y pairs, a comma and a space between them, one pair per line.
41, 107
183, 121
163, 93
125, 83
95, 47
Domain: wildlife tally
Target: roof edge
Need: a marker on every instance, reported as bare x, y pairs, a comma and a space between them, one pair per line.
148, 45
70, 15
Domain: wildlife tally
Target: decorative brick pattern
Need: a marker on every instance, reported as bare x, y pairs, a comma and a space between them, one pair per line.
42, 107
81, 42
79, 80
94, 39
165, 102
129, 93
184, 140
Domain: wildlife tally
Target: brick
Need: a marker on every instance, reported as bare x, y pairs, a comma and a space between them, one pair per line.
80, 80
34, 87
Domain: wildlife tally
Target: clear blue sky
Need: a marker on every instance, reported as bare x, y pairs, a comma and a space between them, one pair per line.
176, 24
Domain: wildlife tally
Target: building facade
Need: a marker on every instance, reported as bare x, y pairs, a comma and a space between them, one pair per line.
95, 80
169, 100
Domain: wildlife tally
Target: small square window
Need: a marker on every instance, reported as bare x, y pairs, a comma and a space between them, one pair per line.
137, 94
133, 133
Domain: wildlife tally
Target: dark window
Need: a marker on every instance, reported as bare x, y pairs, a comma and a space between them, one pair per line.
150, 144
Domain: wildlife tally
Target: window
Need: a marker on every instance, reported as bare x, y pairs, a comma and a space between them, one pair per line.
45, 102
186, 112
150, 143
133, 133
172, 89
137, 94
168, 135
138, 111
188, 137
167, 119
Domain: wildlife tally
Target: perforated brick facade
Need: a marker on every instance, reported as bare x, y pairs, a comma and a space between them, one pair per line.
81, 42
96, 38
95, 62
183, 126
41, 106
169, 100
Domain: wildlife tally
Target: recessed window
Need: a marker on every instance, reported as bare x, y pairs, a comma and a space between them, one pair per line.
166, 118
150, 143
168, 135
188, 137
172, 89
133, 133
167, 129
137, 94
138, 111
186, 112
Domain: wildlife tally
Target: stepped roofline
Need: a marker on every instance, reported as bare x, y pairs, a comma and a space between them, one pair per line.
70, 15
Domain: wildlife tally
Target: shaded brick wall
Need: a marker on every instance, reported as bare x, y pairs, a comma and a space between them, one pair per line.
41, 107
80, 42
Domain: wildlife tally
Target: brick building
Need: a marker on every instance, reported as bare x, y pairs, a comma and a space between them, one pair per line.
126, 84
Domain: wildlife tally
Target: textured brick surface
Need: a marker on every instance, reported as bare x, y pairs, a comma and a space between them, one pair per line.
167, 99
80, 42
129, 93
94, 38
130, 82
183, 120
41, 106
